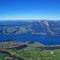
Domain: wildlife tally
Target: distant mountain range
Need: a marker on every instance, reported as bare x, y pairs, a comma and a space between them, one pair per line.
43, 27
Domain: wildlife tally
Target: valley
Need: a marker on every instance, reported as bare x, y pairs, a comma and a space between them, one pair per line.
29, 51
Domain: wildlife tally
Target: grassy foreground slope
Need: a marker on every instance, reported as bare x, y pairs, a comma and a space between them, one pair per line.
31, 52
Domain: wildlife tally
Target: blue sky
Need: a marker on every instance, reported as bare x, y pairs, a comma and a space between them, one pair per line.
30, 9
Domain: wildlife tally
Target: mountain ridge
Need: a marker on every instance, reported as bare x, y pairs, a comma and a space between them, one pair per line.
44, 27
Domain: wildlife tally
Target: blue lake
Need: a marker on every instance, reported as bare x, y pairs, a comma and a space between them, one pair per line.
45, 39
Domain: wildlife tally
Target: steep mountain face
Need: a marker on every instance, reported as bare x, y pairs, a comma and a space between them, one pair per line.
44, 27
55, 27
51, 27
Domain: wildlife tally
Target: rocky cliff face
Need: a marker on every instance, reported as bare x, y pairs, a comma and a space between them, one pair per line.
44, 27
